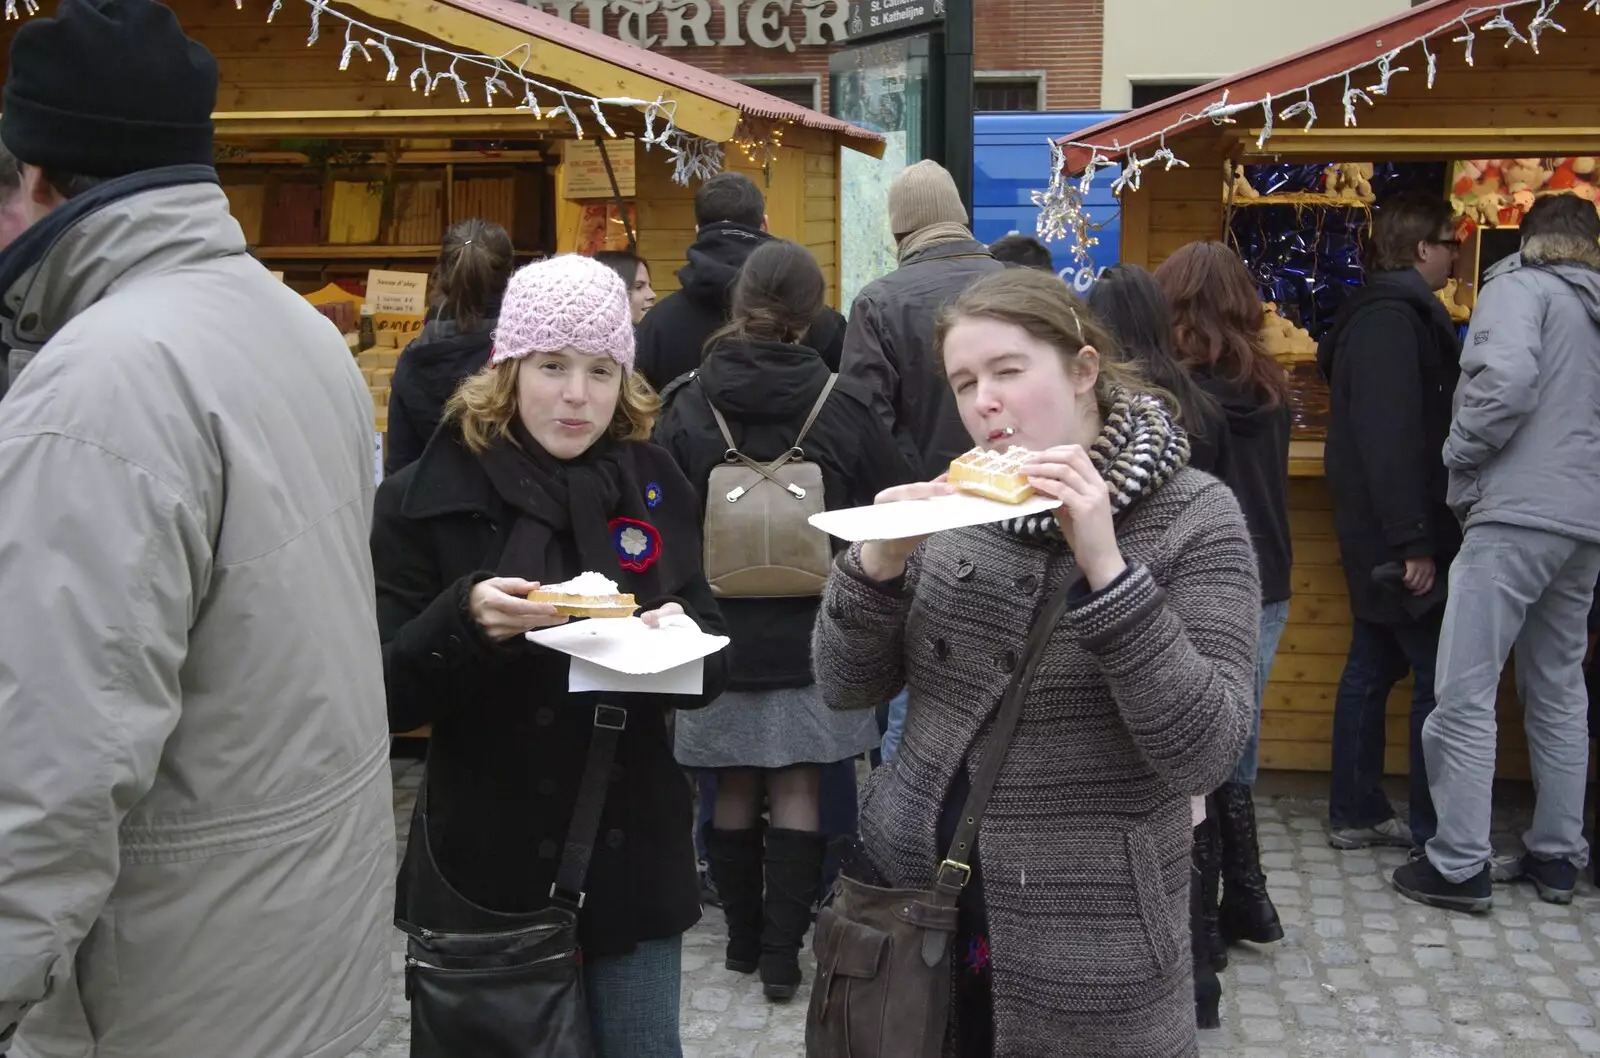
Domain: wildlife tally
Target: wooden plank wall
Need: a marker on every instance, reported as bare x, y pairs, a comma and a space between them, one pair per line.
802, 205
1297, 715
1505, 88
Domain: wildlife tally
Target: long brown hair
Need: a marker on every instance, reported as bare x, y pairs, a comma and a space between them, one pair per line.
1217, 317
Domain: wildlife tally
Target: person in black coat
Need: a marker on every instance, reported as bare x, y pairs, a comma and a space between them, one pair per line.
541, 473
772, 733
475, 262
730, 212
1216, 324
1392, 361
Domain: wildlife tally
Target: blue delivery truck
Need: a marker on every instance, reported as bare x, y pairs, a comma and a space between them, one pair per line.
1011, 160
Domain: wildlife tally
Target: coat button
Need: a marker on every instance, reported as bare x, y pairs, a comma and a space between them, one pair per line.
545, 716
614, 838
1028, 584
941, 649
547, 787
1006, 661
547, 850
964, 570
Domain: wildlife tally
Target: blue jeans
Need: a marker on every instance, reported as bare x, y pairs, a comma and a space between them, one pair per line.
1274, 617
897, 725
633, 1000
1379, 657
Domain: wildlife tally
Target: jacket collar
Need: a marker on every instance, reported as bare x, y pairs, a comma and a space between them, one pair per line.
946, 250
763, 381
144, 223
448, 479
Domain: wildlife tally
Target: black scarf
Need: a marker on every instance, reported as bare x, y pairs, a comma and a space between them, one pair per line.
583, 515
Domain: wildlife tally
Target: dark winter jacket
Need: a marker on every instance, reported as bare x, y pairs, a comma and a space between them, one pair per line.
672, 336
1257, 469
889, 346
1522, 447
430, 369
509, 742
765, 391
1391, 360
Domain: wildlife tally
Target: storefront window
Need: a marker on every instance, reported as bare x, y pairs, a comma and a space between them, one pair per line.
886, 87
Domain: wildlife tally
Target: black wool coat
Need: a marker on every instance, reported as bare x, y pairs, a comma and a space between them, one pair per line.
509, 741
1392, 361
765, 390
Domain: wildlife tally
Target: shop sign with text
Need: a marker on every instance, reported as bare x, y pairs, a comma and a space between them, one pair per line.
873, 18
688, 23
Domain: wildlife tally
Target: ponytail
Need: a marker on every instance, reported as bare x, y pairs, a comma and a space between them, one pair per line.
776, 297
475, 264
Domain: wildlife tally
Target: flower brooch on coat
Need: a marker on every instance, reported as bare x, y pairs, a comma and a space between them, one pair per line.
638, 544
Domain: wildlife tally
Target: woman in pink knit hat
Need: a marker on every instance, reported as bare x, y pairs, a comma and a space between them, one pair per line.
540, 474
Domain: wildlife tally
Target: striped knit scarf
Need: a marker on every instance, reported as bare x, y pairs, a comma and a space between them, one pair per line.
1139, 449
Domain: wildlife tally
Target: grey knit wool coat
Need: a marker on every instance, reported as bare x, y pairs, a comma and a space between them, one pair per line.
1142, 700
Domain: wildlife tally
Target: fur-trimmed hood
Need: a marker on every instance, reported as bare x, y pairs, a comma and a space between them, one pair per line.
1573, 260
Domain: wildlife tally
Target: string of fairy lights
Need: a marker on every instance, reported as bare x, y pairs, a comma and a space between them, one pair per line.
495, 79
1061, 204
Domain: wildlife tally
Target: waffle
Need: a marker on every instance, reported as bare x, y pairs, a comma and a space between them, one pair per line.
587, 595
992, 475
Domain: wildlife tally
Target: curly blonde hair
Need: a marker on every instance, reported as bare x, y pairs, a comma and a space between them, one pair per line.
486, 403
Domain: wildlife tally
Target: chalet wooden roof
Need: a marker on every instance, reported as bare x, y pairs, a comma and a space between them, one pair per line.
1288, 78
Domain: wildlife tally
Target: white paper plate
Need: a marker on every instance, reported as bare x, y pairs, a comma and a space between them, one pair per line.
627, 644
908, 518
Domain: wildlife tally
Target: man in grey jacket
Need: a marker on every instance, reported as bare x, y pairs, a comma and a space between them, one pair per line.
196, 831
1524, 461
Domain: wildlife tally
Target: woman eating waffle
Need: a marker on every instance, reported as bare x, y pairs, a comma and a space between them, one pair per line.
1073, 919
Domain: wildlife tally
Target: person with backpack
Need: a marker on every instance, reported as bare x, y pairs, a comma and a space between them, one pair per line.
475, 263
768, 436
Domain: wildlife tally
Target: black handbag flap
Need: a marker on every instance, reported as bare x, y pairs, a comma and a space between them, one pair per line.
551, 933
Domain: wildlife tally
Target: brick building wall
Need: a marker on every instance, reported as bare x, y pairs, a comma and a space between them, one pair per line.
1059, 38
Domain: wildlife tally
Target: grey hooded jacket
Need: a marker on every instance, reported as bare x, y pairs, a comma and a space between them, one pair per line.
1523, 444
196, 832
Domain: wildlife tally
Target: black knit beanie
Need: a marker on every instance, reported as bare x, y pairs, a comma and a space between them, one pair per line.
106, 88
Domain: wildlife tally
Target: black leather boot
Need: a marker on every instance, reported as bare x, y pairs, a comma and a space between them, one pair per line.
1207, 987
734, 857
1246, 912
1208, 862
794, 880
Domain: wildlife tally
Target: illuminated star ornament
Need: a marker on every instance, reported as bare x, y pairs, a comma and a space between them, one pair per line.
638, 544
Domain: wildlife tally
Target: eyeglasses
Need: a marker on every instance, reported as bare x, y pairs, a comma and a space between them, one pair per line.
1454, 244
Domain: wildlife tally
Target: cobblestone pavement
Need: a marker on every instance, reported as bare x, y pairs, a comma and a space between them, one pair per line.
1361, 972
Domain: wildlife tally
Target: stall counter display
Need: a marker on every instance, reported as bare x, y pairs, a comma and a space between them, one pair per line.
1293, 347
1498, 192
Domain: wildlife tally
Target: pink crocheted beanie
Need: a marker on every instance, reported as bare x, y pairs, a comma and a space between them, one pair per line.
565, 302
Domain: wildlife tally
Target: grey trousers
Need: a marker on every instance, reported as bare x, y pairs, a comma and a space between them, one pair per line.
1530, 590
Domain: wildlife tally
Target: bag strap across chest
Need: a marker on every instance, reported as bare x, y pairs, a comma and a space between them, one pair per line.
770, 470
956, 870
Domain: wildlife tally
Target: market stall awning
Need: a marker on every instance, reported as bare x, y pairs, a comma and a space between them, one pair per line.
1317, 101
706, 105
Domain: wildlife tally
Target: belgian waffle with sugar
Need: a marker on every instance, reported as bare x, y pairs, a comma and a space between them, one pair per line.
587, 595
992, 475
